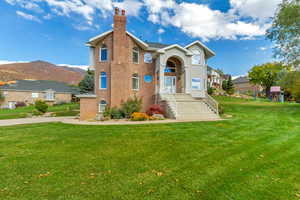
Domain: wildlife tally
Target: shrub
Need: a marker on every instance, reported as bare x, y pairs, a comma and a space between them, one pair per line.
155, 109
210, 90
35, 112
137, 116
130, 106
116, 113
41, 106
221, 110
20, 104
60, 103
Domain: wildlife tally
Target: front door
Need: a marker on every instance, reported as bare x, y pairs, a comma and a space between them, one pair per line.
170, 84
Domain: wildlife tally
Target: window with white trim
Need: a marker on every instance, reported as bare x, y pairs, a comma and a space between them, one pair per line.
103, 53
196, 58
103, 81
49, 95
135, 82
135, 55
102, 106
35, 95
196, 84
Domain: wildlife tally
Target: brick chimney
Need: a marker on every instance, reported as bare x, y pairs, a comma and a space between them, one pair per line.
119, 36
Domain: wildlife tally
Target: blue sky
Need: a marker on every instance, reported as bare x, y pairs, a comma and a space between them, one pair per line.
56, 30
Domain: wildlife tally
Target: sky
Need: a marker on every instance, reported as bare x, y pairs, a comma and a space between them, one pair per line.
57, 30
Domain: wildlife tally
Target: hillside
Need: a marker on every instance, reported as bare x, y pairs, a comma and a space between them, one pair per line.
40, 70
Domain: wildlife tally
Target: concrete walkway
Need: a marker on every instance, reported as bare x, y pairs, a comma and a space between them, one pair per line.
72, 120
34, 120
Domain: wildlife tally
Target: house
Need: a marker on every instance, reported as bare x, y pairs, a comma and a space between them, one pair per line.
214, 78
172, 75
28, 91
242, 85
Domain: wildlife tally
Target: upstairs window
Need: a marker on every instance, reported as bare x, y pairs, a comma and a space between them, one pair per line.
148, 57
171, 67
103, 53
102, 106
103, 81
135, 82
196, 58
135, 55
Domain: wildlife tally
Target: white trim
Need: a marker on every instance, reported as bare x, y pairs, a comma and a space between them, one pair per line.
100, 36
100, 54
86, 96
138, 56
100, 80
202, 45
163, 50
140, 42
138, 81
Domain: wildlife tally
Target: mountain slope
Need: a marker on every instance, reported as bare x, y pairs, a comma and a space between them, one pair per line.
40, 70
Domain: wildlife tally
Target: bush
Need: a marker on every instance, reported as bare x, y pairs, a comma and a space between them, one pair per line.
36, 113
20, 104
116, 113
210, 90
60, 103
137, 116
155, 109
221, 110
41, 106
130, 106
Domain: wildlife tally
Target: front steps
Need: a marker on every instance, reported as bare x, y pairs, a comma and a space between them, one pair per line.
185, 107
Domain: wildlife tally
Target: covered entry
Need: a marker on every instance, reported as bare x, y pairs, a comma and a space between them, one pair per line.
173, 76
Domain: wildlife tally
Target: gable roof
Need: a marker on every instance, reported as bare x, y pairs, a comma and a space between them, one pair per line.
40, 86
208, 51
157, 45
175, 46
241, 79
97, 38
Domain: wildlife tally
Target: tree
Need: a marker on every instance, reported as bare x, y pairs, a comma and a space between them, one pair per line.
87, 84
285, 32
227, 85
265, 75
1, 97
291, 84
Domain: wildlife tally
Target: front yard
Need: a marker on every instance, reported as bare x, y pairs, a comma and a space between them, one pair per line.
253, 155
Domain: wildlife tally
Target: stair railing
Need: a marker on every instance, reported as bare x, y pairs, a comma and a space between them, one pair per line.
212, 103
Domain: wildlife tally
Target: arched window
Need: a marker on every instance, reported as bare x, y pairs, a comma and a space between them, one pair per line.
135, 82
102, 106
103, 81
170, 67
103, 53
135, 55
196, 58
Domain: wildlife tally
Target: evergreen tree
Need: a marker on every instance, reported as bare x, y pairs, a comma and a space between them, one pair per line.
87, 85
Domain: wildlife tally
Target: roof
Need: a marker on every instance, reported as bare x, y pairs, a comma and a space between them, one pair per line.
241, 79
208, 51
40, 86
157, 45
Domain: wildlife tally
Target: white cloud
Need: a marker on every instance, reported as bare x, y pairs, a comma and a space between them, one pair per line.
161, 31
48, 16
84, 67
3, 62
28, 16
263, 48
132, 7
29, 5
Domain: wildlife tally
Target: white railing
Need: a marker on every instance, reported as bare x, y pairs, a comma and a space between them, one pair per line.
214, 105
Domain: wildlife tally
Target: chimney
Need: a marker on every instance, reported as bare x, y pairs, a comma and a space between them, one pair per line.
119, 36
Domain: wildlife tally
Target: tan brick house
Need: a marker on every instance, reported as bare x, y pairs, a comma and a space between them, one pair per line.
28, 91
171, 75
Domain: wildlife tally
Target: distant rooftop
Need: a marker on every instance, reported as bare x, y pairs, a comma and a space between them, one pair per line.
40, 86
157, 45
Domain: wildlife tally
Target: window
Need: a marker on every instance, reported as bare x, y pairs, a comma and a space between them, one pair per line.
135, 82
135, 55
102, 106
148, 58
49, 96
103, 53
171, 67
196, 84
196, 58
34, 95
103, 81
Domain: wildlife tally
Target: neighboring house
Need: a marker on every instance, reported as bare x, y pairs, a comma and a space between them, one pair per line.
242, 85
28, 91
214, 78
170, 75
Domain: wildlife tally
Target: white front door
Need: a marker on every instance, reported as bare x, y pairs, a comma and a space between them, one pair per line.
170, 84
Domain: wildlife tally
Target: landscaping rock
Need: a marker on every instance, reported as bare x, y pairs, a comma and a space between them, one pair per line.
158, 116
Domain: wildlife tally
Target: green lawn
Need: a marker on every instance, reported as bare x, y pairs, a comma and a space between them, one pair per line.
253, 155
61, 110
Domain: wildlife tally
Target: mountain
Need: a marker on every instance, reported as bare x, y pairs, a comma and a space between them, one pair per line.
40, 70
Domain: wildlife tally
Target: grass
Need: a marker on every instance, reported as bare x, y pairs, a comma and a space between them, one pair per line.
253, 155
68, 109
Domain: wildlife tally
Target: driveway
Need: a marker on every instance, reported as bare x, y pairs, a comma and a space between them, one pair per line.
11, 122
